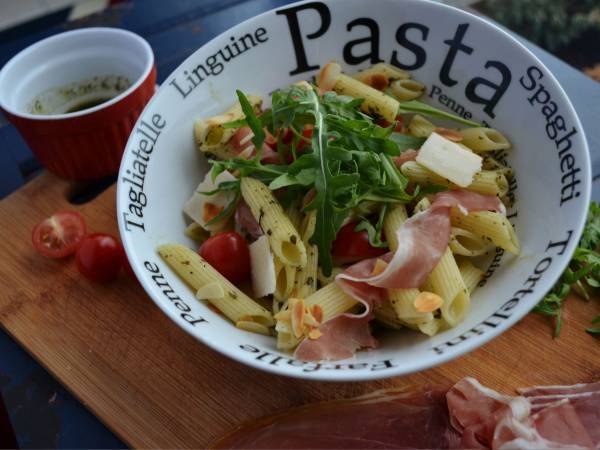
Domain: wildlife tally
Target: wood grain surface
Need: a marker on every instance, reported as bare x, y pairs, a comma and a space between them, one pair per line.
155, 386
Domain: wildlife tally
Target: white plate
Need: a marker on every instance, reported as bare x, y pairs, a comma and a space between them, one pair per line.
462, 59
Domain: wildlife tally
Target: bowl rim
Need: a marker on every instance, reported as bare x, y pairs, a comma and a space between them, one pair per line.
358, 376
69, 35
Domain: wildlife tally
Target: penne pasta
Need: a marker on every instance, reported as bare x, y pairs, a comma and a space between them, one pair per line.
332, 300
466, 243
212, 137
489, 225
285, 277
447, 282
284, 238
324, 281
470, 274
387, 316
294, 214
419, 126
306, 279
375, 102
386, 72
407, 89
197, 273
489, 182
482, 139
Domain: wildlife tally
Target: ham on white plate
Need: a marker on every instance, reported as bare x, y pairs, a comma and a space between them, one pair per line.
469, 415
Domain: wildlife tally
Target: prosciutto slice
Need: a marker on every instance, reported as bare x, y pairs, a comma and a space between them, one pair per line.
569, 416
241, 143
469, 415
408, 155
354, 328
542, 391
245, 219
422, 240
584, 398
476, 410
387, 419
356, 335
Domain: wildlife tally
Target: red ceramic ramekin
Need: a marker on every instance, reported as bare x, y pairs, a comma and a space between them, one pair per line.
85, 144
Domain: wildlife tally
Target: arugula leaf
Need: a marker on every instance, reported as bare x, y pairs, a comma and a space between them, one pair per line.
594, 330
226, 212
327, 220
590, 238
224, 186
583, 270
406, 142
374, 232
253, 123
415, 106
306, 177
246, 167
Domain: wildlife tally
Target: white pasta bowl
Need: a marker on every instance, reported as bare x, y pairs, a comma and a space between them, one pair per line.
469, 66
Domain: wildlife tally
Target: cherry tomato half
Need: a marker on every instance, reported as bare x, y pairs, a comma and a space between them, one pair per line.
100, 257
59, 235
399, 123
228, 253
351, 246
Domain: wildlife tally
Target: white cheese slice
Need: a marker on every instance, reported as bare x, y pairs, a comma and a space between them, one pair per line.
449, 160
202, 208
262, 267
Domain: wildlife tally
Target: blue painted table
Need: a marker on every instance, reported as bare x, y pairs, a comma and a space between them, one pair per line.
31, 395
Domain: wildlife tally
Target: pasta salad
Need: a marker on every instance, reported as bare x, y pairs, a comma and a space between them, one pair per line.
343, 208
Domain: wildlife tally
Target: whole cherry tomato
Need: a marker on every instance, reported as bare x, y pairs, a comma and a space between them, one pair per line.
100, 257
351, 246
228, 253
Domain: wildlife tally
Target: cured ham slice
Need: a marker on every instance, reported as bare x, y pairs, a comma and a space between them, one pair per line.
241, 143
469, 415
537, 391
584, 398
408, 155
388, 419
342, 335
422, 240
476, 410
245, 219
356, 335
566, 417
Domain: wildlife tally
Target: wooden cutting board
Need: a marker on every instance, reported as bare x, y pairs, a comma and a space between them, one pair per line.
155, 386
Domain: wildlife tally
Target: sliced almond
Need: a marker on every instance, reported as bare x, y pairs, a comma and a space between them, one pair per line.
317, 313
380, 266
296, 306
427, 302
314, 334
449, 134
